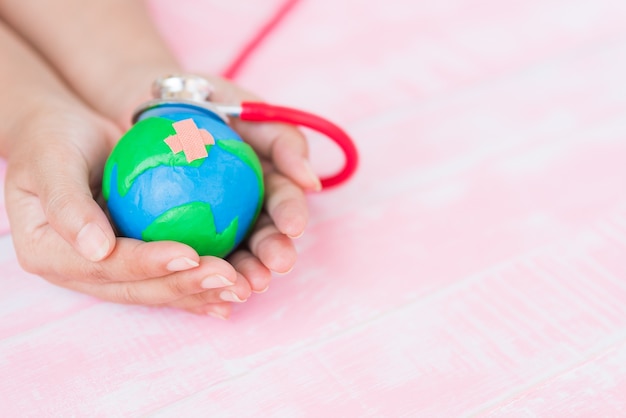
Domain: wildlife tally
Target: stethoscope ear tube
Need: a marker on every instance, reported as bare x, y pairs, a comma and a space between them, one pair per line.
263, 112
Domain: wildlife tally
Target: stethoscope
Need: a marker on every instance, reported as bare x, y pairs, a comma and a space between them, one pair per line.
192, 90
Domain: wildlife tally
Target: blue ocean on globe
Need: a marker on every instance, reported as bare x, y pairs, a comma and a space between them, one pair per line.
227, 184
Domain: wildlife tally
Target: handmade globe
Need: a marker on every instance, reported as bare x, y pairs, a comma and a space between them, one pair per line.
182, 174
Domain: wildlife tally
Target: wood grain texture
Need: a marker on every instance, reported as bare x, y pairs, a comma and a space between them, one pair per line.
475, 266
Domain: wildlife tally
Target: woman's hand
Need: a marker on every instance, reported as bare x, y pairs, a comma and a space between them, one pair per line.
62, 234
56, 154
56, 146
288, 175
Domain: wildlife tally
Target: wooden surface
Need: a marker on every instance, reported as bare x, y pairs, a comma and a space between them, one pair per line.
476, 265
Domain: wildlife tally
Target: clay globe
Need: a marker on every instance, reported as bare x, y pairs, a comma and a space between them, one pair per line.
182, 174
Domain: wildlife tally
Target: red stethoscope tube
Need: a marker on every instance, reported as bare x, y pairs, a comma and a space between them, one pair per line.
263, 112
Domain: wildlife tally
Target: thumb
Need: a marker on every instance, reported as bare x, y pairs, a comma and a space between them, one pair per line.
62, 179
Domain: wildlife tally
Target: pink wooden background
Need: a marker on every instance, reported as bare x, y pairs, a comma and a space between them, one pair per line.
476, 265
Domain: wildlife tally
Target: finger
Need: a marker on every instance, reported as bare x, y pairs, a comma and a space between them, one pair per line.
134, 260
237, 293
221, 310
252, 269
44, 252
286, 205
61, 179
274, 249
283, 144
163, 290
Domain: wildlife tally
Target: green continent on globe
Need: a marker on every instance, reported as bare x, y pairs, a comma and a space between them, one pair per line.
193, 224
141, 149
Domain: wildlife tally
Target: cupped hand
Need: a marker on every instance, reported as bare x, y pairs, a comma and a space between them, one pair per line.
288, 175
283, 152
63, 235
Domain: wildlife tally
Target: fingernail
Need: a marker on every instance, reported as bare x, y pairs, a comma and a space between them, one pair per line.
283, 273
219, 311
92, 242
296, 236
181, 264
217, 315
215, 281
228, 296
311, 174
262, 290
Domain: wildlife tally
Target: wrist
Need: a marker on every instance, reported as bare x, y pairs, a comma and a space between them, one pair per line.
108, 51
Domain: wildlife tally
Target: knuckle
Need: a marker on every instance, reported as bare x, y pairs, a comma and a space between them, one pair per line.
139, 264
28, 263
275, 180
127, 294
199, 299
176, 287
96, 273
141, 269
61, 203
58, 205
27, 256
244, 261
